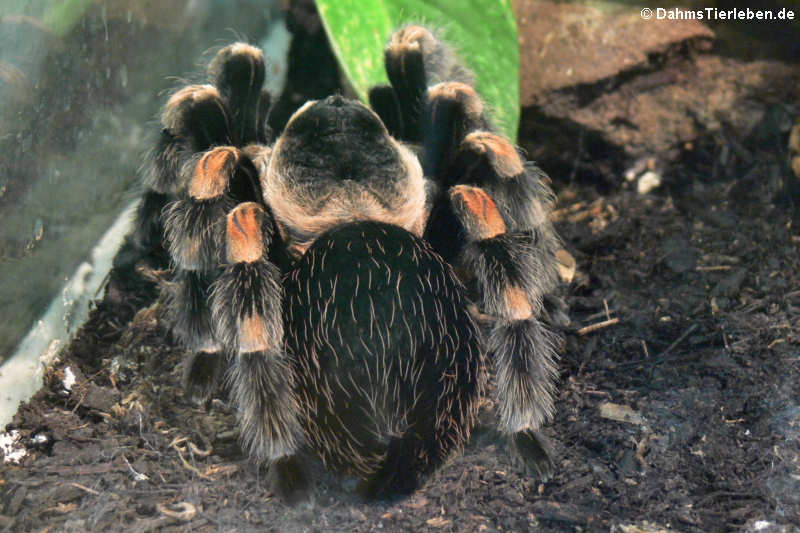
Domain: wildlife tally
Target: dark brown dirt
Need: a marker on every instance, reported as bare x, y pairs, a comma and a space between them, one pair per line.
702, 276
603, 90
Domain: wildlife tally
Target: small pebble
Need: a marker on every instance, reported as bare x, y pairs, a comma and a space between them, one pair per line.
647, 182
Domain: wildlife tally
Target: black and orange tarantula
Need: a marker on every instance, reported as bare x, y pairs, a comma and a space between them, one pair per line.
314, 272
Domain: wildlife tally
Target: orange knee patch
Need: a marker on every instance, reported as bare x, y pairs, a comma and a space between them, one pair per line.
459, 92
519, 307
501, 153
485, 217
212, 172
254, 336
245, 241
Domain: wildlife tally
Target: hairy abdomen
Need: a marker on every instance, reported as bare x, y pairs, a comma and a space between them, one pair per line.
386, 354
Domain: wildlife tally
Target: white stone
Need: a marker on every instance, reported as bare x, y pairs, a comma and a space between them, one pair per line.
647, 182
8, 444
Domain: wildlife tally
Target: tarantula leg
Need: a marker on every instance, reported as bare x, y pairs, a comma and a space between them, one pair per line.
202, 373
521, 188
489, 156
383, 100
203, 363
477, 211
217, 180
454, 110
195, 235
405, 66
193, 119
147, 235
534, 451
415, 59
188, 293
522, 195
238, 71
524, 361
246, 304
507, 266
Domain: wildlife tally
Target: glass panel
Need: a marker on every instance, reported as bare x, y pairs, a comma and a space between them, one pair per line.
81, 85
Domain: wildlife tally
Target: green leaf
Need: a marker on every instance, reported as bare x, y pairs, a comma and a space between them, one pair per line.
58, 16
482, 32
62, 15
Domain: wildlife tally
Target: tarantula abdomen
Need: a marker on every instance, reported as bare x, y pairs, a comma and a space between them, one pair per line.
388, 362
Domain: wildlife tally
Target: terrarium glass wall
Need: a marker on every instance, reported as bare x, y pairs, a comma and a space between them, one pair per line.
81, 85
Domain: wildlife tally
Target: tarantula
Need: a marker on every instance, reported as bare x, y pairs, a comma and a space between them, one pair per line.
312, 271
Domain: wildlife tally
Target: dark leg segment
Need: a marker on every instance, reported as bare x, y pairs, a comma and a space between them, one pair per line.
454, 110
508, 267
415, 59
383, 100
187, 304
238, 71
247, 312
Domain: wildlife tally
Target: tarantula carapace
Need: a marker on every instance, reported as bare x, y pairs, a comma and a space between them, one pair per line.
312, 272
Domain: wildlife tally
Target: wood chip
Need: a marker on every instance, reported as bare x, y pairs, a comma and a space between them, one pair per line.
620, 413
566, 265
562, 213
221, 469
438, 521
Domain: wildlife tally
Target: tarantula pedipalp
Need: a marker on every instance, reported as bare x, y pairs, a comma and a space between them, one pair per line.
315, 271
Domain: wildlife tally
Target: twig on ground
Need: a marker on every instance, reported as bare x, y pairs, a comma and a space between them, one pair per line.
188, 511
85, 489
176, 445
197, 451
774, 343
599, 325
677, 341
713, 268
